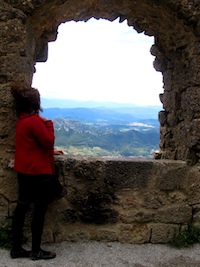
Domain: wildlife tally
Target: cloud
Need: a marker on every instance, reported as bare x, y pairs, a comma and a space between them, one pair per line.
102, 61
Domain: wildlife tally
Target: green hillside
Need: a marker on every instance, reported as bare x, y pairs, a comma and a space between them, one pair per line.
105, 139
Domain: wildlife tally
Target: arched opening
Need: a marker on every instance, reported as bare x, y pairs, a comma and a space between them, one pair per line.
152, 195
109, 63
102, 61
174, 43
27, 29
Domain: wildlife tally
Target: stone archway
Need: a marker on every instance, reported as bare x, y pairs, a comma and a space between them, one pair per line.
161, 195
27, 27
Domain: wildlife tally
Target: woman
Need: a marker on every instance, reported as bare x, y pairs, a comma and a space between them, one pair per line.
34, 164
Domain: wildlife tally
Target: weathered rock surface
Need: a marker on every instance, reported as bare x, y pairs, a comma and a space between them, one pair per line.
26, 27
126, 209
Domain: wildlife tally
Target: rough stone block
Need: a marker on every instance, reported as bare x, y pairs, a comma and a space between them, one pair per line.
13, 35
11, 210
172, 119
126, 174
154, 200
78, 235
192, 96
162, 117
176, 197
3, 210
137, 216
47, 236
107, 235
192, 185
9, 186
194, 134
89, 170
128, 200
134, 233
6, 103
196, 218
196, 208
167, 79
163, 233
181, 213
170, 100
172, 179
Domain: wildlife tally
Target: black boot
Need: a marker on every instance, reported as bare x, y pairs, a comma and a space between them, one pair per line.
20, 253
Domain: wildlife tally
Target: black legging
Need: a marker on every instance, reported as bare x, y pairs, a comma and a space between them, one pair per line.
36, 225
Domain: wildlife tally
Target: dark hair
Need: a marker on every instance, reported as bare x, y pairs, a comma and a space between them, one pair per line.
26, 99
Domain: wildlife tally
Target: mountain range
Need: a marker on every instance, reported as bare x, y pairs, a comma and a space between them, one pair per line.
138, 140
100, 130
70, 103
93, 111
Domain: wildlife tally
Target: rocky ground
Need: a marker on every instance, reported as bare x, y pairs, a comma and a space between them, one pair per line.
96, 254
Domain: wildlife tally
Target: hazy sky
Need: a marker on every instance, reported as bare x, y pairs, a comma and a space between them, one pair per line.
101, 61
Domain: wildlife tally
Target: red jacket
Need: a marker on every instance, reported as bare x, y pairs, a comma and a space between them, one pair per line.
34, 150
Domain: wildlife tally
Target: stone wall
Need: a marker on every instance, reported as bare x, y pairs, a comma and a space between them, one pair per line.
26, 27
126, 200
123, 200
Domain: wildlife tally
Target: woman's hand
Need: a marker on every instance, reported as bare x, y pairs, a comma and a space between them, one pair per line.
58, 152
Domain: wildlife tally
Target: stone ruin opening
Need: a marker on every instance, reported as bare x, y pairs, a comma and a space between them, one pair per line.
100, 61
163, 196
27, 27
119, 70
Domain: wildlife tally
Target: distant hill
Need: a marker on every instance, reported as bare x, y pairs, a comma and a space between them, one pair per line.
106, 140
103, 114
104, 128
70, 103
67, 103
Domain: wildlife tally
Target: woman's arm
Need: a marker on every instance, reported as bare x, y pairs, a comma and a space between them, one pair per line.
43, 130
